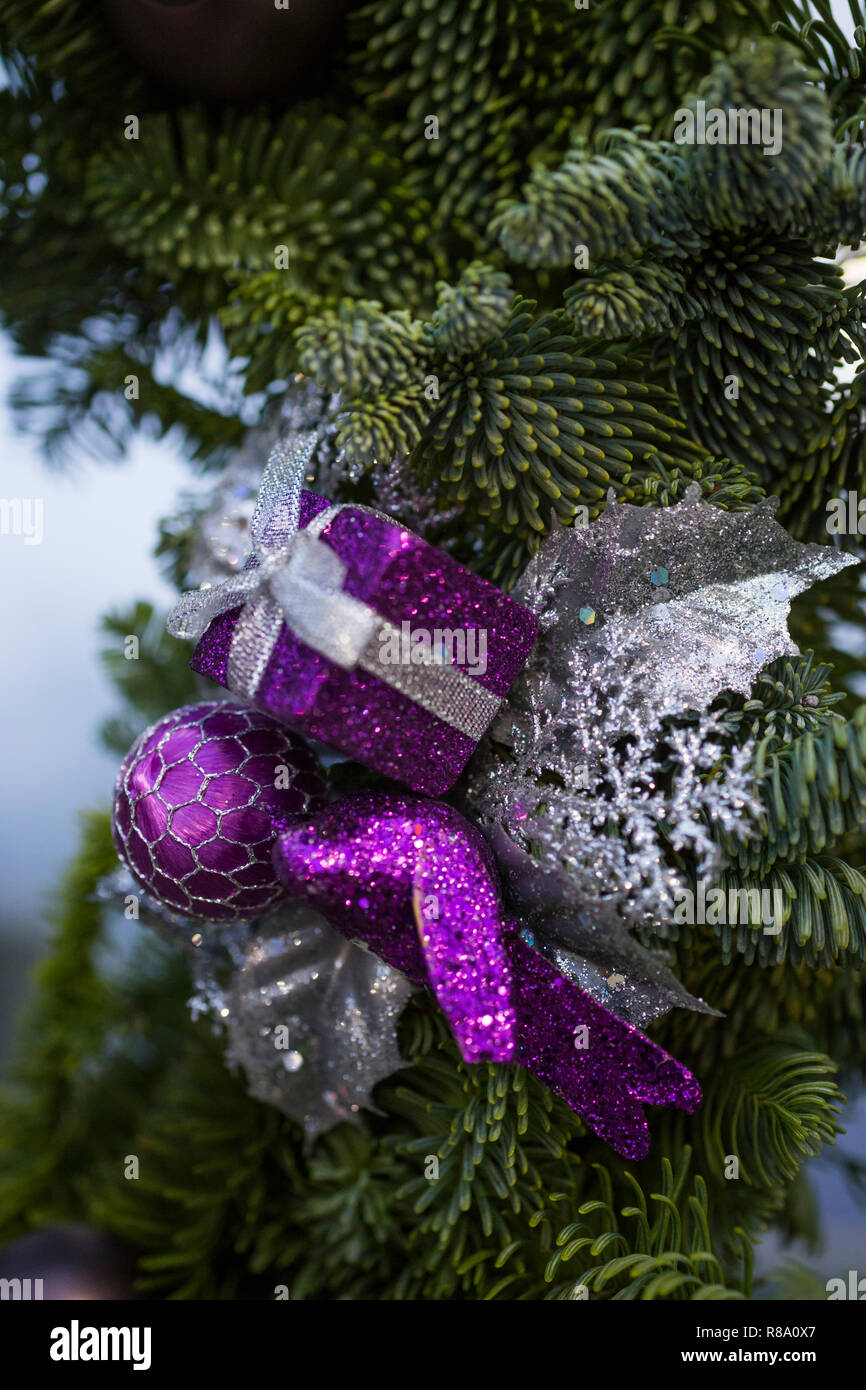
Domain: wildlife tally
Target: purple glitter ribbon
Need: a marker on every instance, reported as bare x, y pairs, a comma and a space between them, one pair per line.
417, 883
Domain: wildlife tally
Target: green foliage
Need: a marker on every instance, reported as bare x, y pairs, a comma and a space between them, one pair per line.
773, 1107
617, 197
68, 36
157, 679
494, 73
814, 28
471, 312
538, 424
738, 182
665, 1250
357, 347
707, 252
527, 427
629, 303
185, 197
792, 696
642, 54
810, 780
91, 1051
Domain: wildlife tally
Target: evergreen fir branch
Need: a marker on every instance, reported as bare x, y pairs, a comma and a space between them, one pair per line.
732, 179
493, 73
69, 38
762, 1000
701, 276
260, 322
661, 1250
357, 348
349, 1217
771, 1107
814, 28
616, 197
642, 55
834, 464
72, 1098
731, 486
473, 311
792, 696
539, 424
822, 901
813, 790
384, 428
630, 303
157, 679
841, 215
224, 200
742, 368
827, 923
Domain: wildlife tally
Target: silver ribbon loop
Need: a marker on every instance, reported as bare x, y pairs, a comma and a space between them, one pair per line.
291, 576
294, 577
307, 580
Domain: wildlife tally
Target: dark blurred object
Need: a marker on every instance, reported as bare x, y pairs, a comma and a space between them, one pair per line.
229, 50
77, 1263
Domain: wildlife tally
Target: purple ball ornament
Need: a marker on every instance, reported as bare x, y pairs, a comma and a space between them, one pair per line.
199, 802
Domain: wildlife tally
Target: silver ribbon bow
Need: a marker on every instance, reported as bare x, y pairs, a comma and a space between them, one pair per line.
294, 577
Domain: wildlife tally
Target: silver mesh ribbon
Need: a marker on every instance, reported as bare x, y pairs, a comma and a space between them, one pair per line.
294, 577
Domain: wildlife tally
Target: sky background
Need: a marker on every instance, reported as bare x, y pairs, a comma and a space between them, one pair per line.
100, 526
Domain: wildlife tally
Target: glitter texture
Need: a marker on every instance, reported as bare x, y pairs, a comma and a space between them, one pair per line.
405, 580
198, 802
688, 601
311, 1018
605, 1073
588, 940
417, 883
728, 579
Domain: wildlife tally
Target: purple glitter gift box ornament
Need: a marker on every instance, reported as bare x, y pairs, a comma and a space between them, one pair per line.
352, 630
414, 881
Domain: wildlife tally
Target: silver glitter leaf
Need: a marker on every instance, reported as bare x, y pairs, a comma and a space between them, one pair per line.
647, 613
686, 601
588, 940
338, 1004
311, 1018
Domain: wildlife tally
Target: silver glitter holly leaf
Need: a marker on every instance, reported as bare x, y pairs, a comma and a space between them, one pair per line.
311, 1018
588, 941
208, 947
645, 614
671, 604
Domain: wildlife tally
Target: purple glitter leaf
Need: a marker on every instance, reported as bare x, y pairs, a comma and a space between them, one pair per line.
604, 1072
